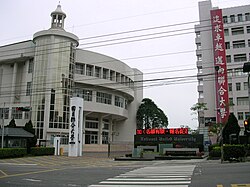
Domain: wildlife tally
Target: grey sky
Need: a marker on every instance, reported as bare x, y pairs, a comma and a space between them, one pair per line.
158, 58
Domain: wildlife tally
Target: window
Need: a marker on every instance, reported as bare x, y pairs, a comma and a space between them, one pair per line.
198, 46
226, 32
240, 18
31, 66
89, 70
231, 102
238, 72
238, 86
4, 113
199, 57
247, 115
245, 85
229, 73
91, 137
248, 29
198, 34
79, 68
242, 101
118, 77
225, 19
248, 43
91, 125
237, 30
227, 44
119, 101
240, 58
112, 75
28, 89
228, 58
247, 16
105, 137
239, 44
105, 73
229, 87
232, 18
16, 114
87, 95
103, 98
97, 72
27, 115
240, 115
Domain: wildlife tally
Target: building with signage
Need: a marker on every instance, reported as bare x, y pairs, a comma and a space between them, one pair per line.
44, 73
223, 46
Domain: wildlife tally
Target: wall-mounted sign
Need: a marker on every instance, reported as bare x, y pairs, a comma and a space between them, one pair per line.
174, 131
221, 85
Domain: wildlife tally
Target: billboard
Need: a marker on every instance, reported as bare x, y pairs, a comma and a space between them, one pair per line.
220, 66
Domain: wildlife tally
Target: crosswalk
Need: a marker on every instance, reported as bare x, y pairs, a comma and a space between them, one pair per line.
158, 175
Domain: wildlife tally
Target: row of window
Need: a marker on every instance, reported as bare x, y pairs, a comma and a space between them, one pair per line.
237, 44
236, 58
234, 31
15, 114
238, 86
101, 97
240, 101
243, 115
99, 72
236, 18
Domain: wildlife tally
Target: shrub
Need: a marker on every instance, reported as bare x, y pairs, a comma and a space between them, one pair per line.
12, 152
211, 147
215, 152
39, 151
234, 151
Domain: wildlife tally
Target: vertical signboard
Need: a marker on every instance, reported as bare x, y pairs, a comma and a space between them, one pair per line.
221, 83
75, 127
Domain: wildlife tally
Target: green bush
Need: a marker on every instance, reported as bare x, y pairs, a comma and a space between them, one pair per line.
39, 151
234, 152
12, 152
215, 152
211, 147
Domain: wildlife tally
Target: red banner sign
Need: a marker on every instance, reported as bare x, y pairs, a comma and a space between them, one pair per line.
174, 131
221, 83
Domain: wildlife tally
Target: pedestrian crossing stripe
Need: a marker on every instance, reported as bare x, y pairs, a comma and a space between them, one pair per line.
152, 176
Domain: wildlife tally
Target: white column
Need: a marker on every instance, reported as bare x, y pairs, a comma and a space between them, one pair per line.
75, 127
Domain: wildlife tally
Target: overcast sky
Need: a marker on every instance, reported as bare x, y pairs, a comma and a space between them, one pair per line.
167, 50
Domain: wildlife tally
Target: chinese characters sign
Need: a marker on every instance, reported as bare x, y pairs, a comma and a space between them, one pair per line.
221, 85
173, 131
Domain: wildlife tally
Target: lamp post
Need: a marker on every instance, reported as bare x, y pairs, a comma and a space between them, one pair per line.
2, 133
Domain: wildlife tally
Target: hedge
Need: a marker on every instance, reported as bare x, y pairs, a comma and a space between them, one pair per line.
234, 151
39, 151
215, 152
12, 152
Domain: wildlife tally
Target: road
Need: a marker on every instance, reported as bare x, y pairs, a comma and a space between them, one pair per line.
94, 171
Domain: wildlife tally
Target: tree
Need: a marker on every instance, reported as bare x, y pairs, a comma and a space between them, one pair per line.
231, 127
31, 142
198, 108
150, 116
12, 123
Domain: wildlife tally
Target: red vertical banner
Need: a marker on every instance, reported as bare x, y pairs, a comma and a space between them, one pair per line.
221, 83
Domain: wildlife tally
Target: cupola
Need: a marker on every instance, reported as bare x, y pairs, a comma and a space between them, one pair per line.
58, 17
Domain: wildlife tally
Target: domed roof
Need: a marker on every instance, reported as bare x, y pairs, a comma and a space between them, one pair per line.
58, 11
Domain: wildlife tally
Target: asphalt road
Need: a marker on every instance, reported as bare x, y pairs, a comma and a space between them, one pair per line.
101, 171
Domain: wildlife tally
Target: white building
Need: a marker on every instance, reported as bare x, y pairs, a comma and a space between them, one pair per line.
45, 72
236, 22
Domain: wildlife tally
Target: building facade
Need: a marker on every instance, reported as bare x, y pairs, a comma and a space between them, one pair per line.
235, 27
44, 73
